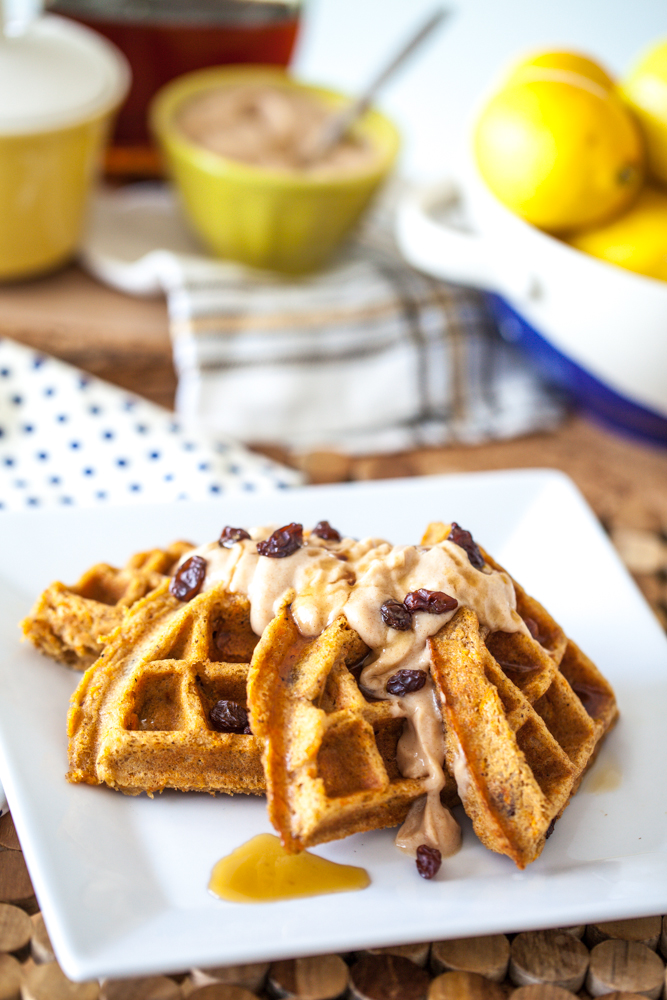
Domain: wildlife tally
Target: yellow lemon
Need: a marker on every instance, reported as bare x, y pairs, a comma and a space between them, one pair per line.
567, 62
645, 90
637, 240
563, 154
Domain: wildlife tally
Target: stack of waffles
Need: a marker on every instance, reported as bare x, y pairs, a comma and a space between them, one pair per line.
182, 694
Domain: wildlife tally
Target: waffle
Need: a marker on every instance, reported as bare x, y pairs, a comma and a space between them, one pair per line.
330, 753
66, 622
140, 719
524, 711
523, 715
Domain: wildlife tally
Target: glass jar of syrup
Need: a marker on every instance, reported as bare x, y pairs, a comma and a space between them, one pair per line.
164, 38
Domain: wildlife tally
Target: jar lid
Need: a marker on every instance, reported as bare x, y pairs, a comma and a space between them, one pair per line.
56, 74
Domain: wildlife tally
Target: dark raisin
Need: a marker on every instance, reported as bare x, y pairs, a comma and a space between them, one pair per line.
513, 667
429, 860
324, 530
532, 627
593, 699
396, 615
229, 717
221, 640
405, 681
188, 579
283, 542
231, 535
434, 602
551, 828
464, 540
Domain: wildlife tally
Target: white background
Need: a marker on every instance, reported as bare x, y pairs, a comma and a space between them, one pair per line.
344, 42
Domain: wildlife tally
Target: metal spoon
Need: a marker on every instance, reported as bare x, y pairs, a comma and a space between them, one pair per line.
336, 126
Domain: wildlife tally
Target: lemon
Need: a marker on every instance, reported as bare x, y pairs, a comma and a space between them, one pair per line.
567, 62
637, 240
645, 90
565, 154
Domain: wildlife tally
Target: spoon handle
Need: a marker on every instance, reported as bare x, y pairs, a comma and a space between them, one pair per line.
336, 127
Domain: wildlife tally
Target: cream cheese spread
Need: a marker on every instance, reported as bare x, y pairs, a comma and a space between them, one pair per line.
355, 578
270, 126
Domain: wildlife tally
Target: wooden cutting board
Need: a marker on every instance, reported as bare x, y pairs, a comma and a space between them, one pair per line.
122, 339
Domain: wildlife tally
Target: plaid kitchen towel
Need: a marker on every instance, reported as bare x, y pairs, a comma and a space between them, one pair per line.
69, 439
367, 356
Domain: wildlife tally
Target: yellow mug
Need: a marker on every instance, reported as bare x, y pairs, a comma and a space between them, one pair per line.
284, 220
66, 83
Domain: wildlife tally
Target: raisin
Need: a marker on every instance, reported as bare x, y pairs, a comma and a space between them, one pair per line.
434, 602
324, 530
229, 717
230, 536
429, 860
464, 540
551, 828
517, 668
532, 627
221, 640
405, 681
593, 699
283, 542
187, 581
396, 615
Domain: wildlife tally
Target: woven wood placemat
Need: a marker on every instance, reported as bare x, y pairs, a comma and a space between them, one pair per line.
624, 958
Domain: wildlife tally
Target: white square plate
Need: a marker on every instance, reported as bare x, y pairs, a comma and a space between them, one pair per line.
122, 882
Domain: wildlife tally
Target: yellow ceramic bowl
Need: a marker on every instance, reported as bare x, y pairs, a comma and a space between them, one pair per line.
281, 220
67, 84
44, 186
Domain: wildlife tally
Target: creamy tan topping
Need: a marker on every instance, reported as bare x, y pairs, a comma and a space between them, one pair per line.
420, 754
429, 822
421, 748
461, 773
270, 126
355, 578
321, 573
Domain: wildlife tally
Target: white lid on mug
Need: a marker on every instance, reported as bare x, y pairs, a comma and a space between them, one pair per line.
58, 73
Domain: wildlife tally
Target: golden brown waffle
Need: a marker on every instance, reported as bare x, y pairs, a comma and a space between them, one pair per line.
330, 753
140, 718
523, 719
524, 714
66, 622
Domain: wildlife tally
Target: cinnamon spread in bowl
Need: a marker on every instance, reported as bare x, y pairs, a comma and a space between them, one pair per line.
266, 125
240, 143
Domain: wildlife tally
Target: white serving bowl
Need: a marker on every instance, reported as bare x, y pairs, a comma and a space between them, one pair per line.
596, 329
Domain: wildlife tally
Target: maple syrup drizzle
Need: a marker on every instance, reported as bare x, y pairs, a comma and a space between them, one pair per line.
604, 778
261, 871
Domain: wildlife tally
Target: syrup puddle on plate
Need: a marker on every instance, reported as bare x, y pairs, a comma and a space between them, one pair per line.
604, 779
260, 871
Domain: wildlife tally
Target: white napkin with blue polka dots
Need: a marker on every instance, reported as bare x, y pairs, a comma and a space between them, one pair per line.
67, 438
